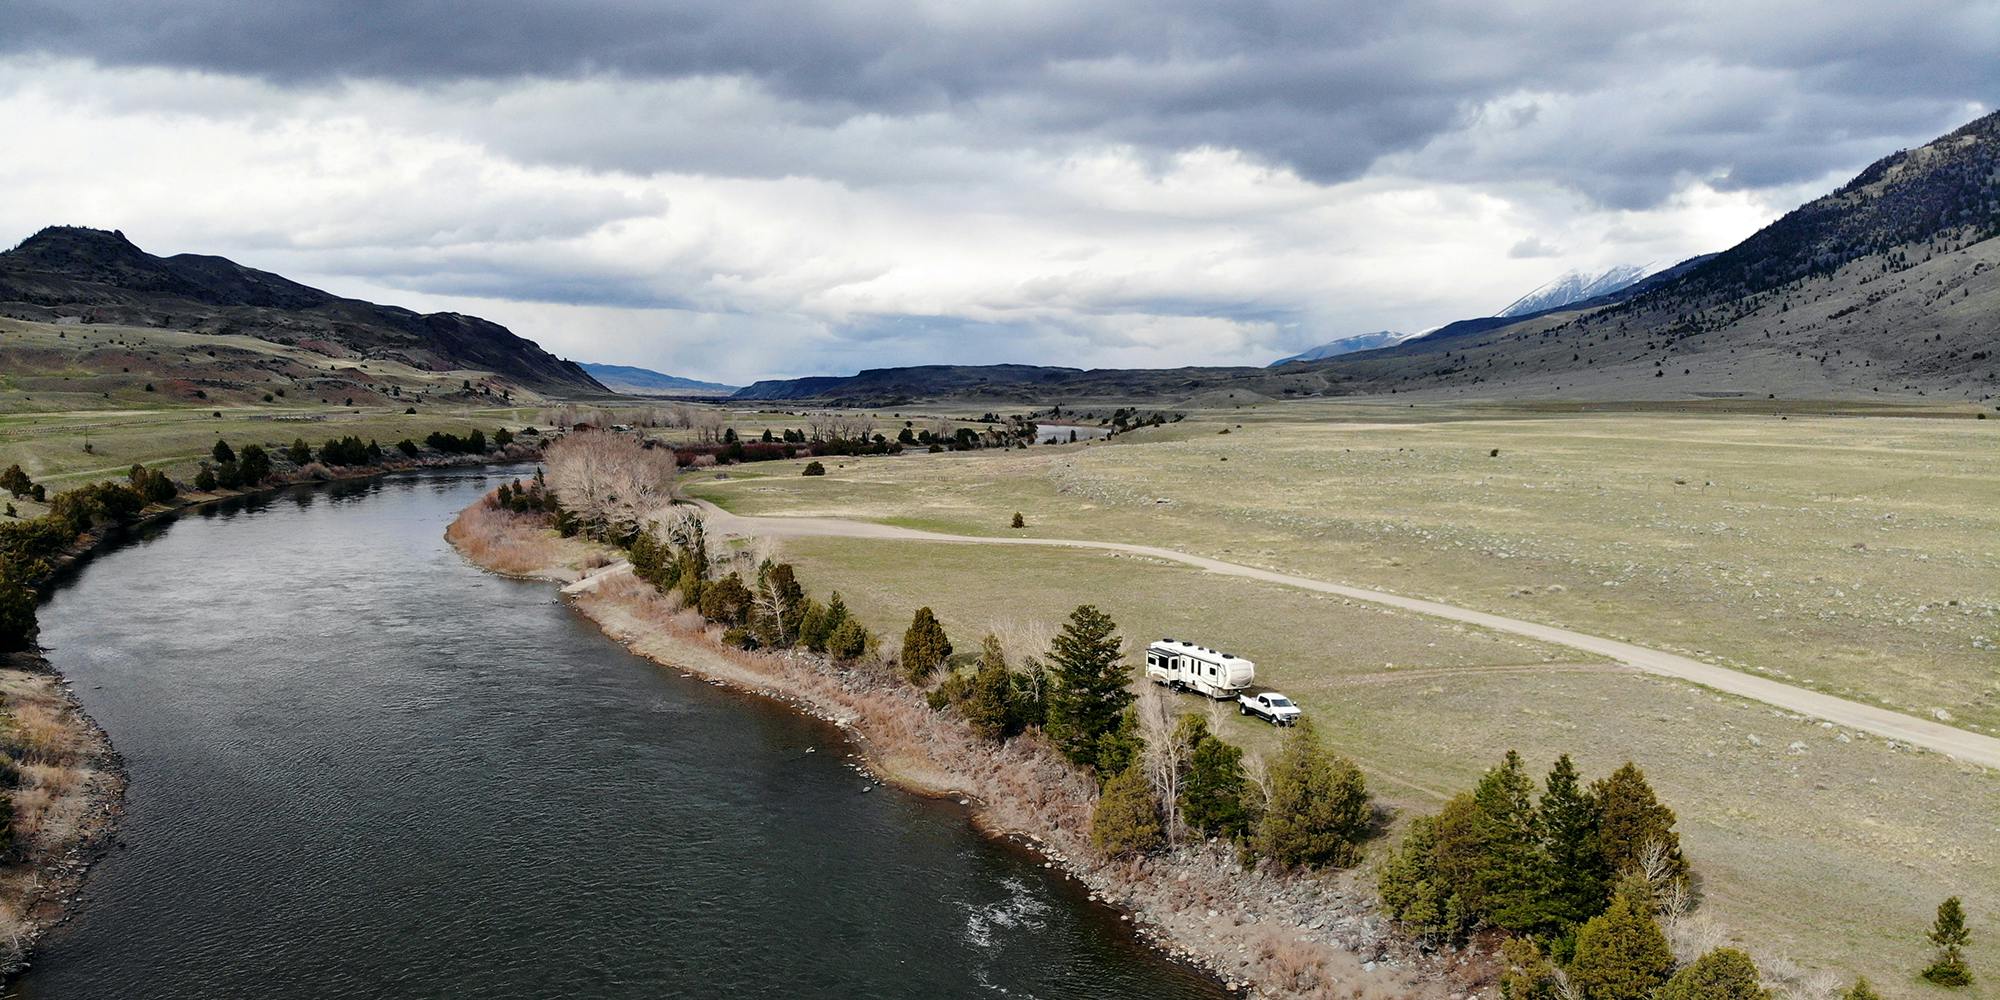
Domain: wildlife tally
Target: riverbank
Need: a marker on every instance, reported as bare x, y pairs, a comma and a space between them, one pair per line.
70, 780
1267, 933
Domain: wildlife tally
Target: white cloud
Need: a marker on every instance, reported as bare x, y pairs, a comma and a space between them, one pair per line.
715, 226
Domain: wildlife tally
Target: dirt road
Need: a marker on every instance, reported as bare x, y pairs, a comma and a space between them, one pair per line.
1959, 743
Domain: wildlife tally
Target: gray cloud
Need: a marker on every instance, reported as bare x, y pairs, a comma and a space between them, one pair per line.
1792, 89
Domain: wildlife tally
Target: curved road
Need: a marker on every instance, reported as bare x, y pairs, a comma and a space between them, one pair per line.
1951, 740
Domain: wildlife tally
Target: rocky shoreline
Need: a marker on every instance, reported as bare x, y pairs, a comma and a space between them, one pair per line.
1258, 932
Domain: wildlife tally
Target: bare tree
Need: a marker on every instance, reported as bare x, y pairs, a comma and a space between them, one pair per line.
610, 482
1166, 755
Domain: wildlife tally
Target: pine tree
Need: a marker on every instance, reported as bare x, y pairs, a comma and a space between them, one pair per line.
1621, 953
1120, 747
848, 641
1861, 991
1579, 885
925, 647
815, 630
205, 479
1318, 807
1632, 823
299, 453
222, 452
987, 706
1512, 883
16, 482
1529, 975
1722, 974
1087, 679
1127, 820
17, 608
1213, 793
1019, 522
1949, 936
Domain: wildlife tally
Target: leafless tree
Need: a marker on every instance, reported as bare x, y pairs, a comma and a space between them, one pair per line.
1166, 755
610, 482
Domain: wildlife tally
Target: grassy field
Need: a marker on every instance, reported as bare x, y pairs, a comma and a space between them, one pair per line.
74, 403
1858, 556
1827, 549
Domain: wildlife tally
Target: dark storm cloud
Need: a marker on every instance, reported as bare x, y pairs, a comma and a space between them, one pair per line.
1621, 102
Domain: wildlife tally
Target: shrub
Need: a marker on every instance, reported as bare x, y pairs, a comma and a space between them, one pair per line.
1019, 522
299, 453
16, 482
1127, 820
17, 609
407, 447
925, 646
1949, 936
222, 452
205, 480
848, 641
1722, 974
813, 468
726, 601
1621, 953
1318, 809
1861, 991
1086, 691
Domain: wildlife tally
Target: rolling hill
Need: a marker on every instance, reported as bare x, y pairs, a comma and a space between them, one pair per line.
73, 274
1345, 345
1889, 285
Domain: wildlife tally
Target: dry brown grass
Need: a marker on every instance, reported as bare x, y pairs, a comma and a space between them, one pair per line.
515, 544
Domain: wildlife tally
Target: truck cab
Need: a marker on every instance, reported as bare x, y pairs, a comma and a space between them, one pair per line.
1270, 706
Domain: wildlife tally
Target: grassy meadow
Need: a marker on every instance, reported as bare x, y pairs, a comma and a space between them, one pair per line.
1843, 551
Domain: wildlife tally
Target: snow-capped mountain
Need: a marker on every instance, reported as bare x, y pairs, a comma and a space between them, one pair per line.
1346, 345
1576, 286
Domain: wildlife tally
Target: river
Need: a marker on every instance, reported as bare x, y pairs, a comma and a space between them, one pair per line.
361, 767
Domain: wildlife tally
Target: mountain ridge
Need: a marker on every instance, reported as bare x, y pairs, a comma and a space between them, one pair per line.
100, 276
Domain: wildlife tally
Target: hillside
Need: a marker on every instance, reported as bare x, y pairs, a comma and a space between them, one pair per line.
647, 382
1888, 286
71, 274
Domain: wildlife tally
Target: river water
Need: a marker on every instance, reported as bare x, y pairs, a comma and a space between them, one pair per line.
362, 768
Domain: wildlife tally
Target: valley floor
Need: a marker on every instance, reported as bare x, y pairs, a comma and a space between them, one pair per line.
1839, 556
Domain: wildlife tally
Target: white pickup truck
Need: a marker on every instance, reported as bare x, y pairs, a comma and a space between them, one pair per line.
1270, 706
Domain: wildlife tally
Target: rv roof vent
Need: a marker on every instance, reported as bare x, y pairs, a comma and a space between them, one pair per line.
1229, 656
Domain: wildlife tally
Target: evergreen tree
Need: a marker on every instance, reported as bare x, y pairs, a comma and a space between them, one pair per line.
988, 706
1621, 953
1127, 820
1121, 746
1949, 936
299, 453
1415, 893
255, 465
1512, 890
409, 448
1529, 975
1579, 883
1722, 974
925, 647
1214, 791
1861, 991
222, 452
1027, 697
1318, 808
1633, 823
17, 608
1019, 522
726, 601
1086, 684
16, 482
780, 604
205, 479
848, 641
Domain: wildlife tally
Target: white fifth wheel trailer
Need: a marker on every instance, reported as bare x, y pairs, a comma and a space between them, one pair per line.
1185, 666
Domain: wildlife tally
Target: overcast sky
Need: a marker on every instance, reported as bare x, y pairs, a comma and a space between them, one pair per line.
734, 189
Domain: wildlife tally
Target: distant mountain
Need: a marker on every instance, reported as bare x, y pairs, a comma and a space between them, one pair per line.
1345, 345
1573, 287
647, 382
1890, 286
101, 277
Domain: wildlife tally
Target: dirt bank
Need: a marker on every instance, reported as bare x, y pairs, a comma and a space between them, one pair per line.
1262, 932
